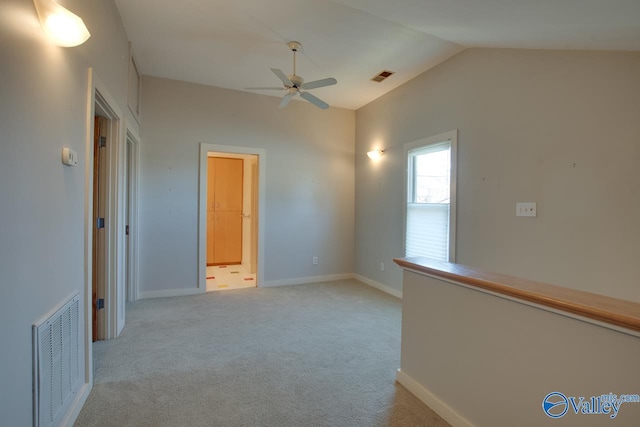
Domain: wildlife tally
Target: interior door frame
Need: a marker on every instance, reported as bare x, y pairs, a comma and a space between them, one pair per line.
249, 239
261, 153
100, 100
132, 168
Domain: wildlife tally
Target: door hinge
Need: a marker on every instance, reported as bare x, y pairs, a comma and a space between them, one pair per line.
100, 303
103, 142
126, 230
100, 223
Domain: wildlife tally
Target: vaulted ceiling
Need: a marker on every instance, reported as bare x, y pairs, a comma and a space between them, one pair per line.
234, 43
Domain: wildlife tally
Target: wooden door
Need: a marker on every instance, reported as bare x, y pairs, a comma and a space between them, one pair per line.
99, 195
211, 164
224, 210
227, 246
210, 236
228, 184
210, 208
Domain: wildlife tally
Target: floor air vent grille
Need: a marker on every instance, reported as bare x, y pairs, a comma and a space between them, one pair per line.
56, 363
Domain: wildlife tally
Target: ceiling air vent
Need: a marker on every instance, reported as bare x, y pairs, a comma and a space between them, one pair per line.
381, 76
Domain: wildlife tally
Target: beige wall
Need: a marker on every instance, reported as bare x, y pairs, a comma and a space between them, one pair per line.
43, 107
492, 361
554, 127
309, 180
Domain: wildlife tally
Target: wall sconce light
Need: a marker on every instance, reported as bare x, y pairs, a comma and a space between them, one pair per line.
64, 28
375, 154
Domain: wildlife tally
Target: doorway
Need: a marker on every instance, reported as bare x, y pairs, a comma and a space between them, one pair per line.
132, 162
231, 221
104, 216
231, 217
98, 256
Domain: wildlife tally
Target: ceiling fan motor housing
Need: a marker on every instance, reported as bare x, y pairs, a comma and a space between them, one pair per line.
294, 46
296, 80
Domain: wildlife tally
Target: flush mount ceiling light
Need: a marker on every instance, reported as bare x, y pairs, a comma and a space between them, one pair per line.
375, 154
63, 27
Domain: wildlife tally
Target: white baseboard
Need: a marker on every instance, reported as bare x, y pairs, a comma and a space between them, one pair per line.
170, 293
384, 288
305, 280
283, 282
76, 406
432, 401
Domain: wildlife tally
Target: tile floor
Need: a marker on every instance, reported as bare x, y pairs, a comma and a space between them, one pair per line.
223, 277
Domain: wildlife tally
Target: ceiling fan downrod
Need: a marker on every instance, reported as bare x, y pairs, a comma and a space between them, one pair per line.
294, 46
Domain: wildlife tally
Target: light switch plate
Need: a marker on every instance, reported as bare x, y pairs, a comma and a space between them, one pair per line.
526, 209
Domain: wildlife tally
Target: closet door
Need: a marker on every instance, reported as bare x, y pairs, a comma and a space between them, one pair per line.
211, 215
228, 184
211, 183
227, 246
224, 210
210, 208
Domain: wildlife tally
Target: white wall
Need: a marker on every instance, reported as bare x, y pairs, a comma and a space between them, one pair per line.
559, 128
310, 180
43, 107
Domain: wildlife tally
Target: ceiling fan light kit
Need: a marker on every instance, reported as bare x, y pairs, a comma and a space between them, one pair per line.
294, 84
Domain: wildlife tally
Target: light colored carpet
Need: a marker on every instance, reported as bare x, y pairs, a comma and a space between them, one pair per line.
310, 355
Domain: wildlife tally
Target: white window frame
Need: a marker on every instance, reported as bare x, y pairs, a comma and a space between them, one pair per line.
452, 138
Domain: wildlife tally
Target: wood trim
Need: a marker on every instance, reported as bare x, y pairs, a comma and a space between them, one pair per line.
621, 313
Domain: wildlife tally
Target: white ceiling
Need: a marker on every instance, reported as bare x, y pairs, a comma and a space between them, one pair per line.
234, 43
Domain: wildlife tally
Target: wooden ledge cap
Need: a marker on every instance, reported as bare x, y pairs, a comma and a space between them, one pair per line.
621, 313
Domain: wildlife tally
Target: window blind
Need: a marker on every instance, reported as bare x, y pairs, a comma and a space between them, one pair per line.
428, 213
428, 230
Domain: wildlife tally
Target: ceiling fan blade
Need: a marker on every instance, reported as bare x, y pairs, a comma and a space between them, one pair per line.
282, 77
314, 100
319, 83
265, 88
286, 99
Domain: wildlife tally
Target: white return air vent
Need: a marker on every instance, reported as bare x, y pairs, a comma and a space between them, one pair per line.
56, 363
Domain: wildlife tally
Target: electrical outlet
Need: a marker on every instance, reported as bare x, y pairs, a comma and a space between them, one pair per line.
315, 260
526, 209
382, 266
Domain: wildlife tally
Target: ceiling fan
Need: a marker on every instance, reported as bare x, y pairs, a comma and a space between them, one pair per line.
294, 84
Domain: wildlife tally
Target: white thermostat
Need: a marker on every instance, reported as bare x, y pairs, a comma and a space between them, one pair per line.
69, 157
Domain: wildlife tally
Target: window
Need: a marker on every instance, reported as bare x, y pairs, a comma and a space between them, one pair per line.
430, 209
